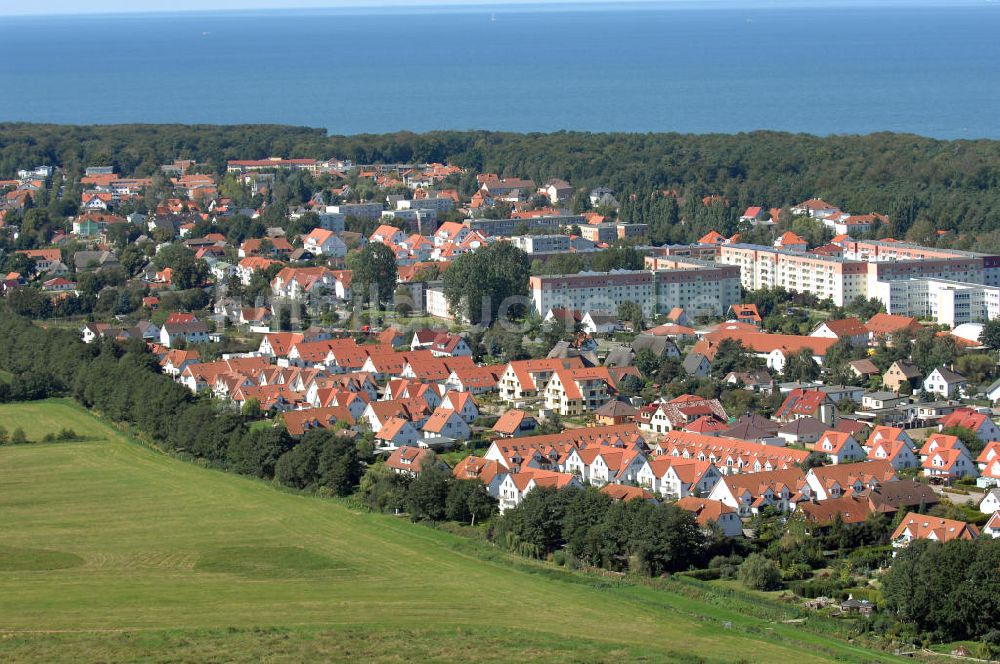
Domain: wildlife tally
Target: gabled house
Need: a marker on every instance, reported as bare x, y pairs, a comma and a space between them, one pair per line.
901, 373
990, 502
487, 471
946, 457
883, 326
921, 526
850, 329
408, 460
515, 486
978, 423
746, 313
446, 423
603, 464
712, 514
527, 378
320, 242
839, 446
803, 431
751, 492
945, 382
191, 332
989, 464
678, 477
844, 479
515, 423
463, 404
802, 402
396, 432
893, 445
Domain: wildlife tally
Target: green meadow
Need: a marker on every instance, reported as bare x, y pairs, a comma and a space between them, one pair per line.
114, 552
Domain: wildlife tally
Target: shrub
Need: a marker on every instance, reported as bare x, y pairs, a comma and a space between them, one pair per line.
760, 573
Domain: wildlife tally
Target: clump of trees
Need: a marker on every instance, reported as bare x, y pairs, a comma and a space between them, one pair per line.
596, 531
946, 590
433, 495
489, 283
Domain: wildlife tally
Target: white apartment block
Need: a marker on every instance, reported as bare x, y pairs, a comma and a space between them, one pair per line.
950, 286
700, 290
435, 303
541, 244
947, 302
359, 210
437, 204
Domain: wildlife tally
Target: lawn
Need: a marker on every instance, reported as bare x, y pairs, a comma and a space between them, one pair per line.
114, 552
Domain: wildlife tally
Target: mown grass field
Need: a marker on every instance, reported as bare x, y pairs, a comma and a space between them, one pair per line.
113, 552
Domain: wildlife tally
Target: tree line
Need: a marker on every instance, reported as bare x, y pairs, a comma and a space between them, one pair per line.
123, 382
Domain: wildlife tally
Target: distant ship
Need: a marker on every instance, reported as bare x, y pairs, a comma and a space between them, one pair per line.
493, 18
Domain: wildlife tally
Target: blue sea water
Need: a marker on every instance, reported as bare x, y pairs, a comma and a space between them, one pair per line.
933, 71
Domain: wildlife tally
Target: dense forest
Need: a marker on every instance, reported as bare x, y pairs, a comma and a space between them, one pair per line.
950, 185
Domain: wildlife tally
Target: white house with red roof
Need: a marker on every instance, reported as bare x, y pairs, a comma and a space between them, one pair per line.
897, 451
791, 242
321, 242
446, 344
816, 208
827, 482
751, 492
946, 457
515, 423
709, 513
677, 477
839, 446
408, 460
515, 486
462, 403
753, 214
396, 432
851, 329
680, 412
387, 234
801, 402
604, 464
921, 526
450, 232
978, 423
487, 471
989, 464
992, 527
446, 423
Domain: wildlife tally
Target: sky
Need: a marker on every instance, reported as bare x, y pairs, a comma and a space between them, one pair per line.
16, 7
19, 7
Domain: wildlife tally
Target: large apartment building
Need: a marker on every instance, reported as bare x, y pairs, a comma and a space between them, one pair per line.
947, 302
947, 285
507, 227
700, 288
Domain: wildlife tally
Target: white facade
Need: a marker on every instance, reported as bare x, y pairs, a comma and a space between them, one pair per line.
700, 290
946, 302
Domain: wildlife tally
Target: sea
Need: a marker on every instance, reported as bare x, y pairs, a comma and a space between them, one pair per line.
842, 68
